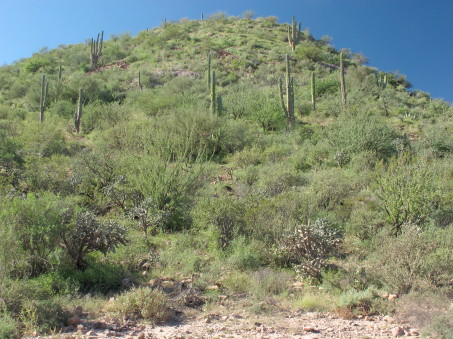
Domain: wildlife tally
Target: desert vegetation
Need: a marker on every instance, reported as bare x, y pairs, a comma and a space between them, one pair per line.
232, 152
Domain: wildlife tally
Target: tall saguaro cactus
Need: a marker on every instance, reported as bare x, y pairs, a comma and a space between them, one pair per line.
96, 50
293, 34
43, 99
78, 114
288, 107
342, 82
213, 94
313, 91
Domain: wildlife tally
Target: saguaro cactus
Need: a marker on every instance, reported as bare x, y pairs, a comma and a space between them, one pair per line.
96, 50
313, 91
342, 82
43, 99
293, 34
288, 108
381, 80
213, 95
78, 113
140, 85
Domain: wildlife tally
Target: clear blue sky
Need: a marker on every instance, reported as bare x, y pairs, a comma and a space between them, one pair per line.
414, 37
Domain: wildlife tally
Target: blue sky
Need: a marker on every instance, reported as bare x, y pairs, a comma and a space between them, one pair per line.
413, 37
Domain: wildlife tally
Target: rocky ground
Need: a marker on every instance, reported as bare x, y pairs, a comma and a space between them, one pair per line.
230, 316
242, 325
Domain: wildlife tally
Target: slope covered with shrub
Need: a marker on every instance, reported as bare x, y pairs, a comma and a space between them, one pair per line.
356, 196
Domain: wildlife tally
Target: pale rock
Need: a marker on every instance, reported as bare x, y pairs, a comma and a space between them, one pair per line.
397, 332
388, 319
309, 329
414, 332
393, 297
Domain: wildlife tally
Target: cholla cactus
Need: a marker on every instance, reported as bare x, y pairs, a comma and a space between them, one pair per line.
310, 247
89, 234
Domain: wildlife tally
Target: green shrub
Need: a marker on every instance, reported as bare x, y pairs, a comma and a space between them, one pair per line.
408, 191
416, 258
144, 303
246, 255
35, 223
43, 316
9, 327
225, 213
101, 277
364, 132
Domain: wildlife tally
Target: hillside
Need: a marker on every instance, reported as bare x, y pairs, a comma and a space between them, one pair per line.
151, 178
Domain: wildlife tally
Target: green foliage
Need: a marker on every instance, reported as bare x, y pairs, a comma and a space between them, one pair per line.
42, 316
39, 62
144, 303
364, 132
415, 259
9, 328
408, 191
224, 196
224, 213
36, 222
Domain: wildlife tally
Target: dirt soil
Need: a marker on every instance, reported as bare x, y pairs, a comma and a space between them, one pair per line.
227, 324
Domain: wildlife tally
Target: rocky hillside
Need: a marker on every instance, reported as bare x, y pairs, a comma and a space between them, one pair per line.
238, 157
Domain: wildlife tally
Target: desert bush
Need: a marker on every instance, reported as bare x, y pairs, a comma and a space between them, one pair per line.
42, 316
99, 276
407, 190
164, 186
270, 219
44, 140
225, 213
358, 301
33, 229
416, 258
267, 281
144, 303
353, 134
9, 327
103, 116
246, 254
